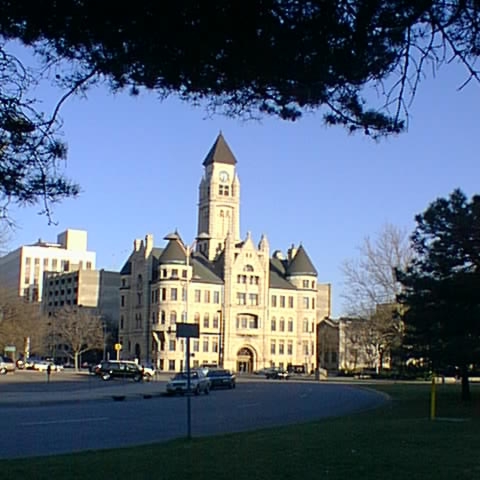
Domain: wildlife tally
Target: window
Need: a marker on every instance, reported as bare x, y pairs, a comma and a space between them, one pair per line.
305, 348
313, 283
241, 279
241, 298
215, 320
184, 294
206, 321
27, 260
205, 344
171, 365
306, 302
290, 325
282, 301
274, 324
89, 265
164, 273
173, 317
305, 283
163, 317
224, 190
139, 298
207, 296
216, 297
174, 294
274, 301
305, 325
172, 345
198, 296
214, 345
282, 324
272, 347
37, 261
184, 316
281, 347
153, 318
121, 321
254, 280
54, 264
253, 298
174, 272
248, 268
164, 294
196, 318
290, 348
122, 300
184, 273
45, 263
313, 303
196, 345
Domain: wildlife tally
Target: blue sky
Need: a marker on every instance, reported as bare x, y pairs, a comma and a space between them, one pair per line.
139, 163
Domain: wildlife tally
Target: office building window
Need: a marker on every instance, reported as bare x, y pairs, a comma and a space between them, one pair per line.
290, 348
206, 321
216, 297
241, 298
205, 344
172, 345
164, 294
173, 317
290, 325
214, 345
305, 325
274, 301
198, 296
196, 345
174, 294
281, 347
196, 318
207, 296
274, 324
282, 301
163, 317
253, 299
216, 320
282, 325
272, 347
171, 365
306, 302
305, 283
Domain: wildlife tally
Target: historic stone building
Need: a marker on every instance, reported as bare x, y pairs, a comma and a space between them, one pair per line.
254, 309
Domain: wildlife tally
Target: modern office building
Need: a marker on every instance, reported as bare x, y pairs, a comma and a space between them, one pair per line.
254, 308
22, 269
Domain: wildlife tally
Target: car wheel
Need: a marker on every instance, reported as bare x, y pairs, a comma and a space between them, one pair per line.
3, 371
207, 390
106, 377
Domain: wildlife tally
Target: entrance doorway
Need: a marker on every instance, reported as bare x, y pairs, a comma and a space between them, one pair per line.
245, 360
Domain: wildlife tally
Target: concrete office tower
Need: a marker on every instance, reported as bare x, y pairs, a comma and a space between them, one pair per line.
22, 269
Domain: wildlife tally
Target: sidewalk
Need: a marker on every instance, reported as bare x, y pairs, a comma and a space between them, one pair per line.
114, 390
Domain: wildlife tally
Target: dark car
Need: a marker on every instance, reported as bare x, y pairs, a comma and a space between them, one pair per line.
277, 374
221, 378
119, 369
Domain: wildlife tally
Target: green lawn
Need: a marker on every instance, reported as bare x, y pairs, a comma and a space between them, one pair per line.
397, 441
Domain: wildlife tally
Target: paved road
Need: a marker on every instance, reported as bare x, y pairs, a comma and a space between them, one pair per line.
62, 427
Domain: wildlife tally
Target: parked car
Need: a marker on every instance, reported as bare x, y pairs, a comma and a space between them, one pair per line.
263, 371
198, 383
42, 366
277, 374
6, 365
220, 378
119, 369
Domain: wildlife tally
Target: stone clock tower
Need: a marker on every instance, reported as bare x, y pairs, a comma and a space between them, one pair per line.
219, 200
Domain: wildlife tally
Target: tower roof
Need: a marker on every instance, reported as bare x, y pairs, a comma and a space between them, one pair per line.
220, 153
301, 264
173, 253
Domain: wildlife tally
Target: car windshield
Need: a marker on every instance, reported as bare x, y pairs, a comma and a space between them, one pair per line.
217, 373
184, 376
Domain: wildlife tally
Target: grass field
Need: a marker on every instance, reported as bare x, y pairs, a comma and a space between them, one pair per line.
398, 441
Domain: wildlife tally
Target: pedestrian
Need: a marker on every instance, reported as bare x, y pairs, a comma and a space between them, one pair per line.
49, 371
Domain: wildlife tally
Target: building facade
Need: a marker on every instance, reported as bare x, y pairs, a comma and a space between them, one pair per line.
22, 270
254, 308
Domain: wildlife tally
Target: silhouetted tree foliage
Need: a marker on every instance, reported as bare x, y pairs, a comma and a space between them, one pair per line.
442, 285
275, 57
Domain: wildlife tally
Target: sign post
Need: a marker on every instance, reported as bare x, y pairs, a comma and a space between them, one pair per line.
118, 347
188, 330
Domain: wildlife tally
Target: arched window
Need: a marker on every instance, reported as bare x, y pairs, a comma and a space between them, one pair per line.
274, 324
248, 268
282, 324
206, 321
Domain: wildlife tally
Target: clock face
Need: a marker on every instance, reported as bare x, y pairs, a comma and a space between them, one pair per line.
223, 176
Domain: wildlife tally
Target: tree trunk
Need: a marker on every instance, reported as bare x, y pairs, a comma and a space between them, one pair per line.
75, 361
465, 384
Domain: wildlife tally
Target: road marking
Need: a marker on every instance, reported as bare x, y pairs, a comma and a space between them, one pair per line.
248, 405
73, 420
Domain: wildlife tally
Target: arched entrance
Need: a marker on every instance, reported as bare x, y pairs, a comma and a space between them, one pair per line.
245, 360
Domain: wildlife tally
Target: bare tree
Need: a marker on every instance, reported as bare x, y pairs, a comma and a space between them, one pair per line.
78, 330
371, 288
21, 324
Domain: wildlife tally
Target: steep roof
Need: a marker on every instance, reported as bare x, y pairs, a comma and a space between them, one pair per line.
204, 271
174, 252
220, 153
301, 264
277, 275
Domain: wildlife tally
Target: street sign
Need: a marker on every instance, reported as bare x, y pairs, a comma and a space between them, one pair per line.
118, 347
10, 348
188, 330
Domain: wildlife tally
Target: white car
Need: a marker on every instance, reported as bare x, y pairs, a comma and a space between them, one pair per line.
148, 371
42, 366
198, 383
